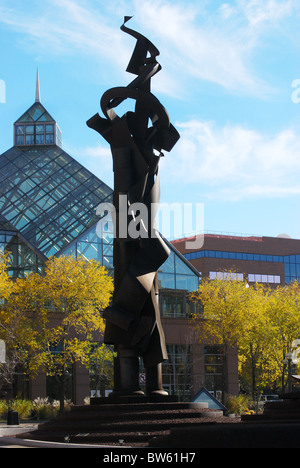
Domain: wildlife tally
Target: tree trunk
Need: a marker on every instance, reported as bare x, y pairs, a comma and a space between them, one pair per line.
62, 391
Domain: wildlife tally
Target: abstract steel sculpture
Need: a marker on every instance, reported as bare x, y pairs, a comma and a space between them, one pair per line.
136, 139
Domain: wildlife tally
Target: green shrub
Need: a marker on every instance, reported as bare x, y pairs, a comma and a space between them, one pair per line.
24, 407
43, 409
40, 408
3, 409
237, 404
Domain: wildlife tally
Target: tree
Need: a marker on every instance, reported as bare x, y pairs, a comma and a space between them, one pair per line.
6, 288
259, 321
255, 362
20, 325
50, 320
6, 285
223, 303
284, 314
101, 366
74, 291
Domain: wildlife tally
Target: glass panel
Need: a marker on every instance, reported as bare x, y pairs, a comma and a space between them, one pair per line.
72, 167
82, 175
49, 128
27, 185
36, 111
29, 140
39, 129
166, 280
169, 266
20, 140
20, 221
29, 129
181, 267
49, 139
70, 250
19, 129
186, 282
39, 139
62, 160
25, 118
44, 117
88, 250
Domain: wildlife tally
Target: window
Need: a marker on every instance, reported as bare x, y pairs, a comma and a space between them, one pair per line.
29, 134
214, 369
177, 371
34, 134
226, 275
258, 278
173, 303
49, 134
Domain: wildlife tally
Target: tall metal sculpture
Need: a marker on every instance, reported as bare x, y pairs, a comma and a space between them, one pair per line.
136, 139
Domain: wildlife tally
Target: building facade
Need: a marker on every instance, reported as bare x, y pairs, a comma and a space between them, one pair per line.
271, 260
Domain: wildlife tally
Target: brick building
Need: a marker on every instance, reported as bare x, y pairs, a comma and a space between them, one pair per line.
273, 260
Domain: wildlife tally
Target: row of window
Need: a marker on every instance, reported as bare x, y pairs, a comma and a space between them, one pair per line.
252, 278
39, 134
226, 275
264, 278
291, 263
287, 259
238, 256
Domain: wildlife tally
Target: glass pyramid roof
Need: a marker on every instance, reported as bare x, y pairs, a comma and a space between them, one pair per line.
36, 113
48, 196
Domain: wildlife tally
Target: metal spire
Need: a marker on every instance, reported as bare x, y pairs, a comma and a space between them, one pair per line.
37, 89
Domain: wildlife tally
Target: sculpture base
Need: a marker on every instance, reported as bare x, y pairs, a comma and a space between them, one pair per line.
132, 421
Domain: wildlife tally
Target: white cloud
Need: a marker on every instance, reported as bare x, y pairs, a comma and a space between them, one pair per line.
233, 162
272, 11
217, 47
65, 27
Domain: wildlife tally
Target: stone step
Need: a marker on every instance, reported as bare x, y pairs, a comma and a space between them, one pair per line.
126, 421
135, 423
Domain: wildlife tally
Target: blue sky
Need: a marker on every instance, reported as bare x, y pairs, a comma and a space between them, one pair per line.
230, 81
